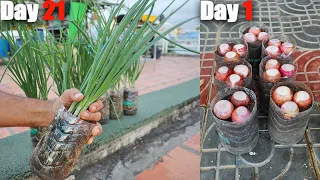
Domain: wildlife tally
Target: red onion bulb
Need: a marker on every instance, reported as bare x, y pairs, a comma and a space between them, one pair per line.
242, 70
272, 75
287, 70
274, 42
234, 80
273, 64
240, 115
224, 48
263, 36
223, 73
223, 109
303, 99
240, 98
289, 109
282, 94
231, 57
250, 37
240, 49
287, 48
273, 51
255, 30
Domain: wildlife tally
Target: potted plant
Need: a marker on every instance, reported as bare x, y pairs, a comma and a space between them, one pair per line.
27, 68
130, 101
111, 59
116, 101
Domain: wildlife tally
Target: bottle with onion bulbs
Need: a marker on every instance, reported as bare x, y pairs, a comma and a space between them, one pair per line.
279, 46
273, 71
232, 75
234, 111
254, 34
232, 51
289, 112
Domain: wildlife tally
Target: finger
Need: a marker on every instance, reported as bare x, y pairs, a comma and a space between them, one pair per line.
97, 130
86, 115
91, 139
71, 95
96, 106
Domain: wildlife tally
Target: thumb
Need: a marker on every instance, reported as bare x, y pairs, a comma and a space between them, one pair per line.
70, 96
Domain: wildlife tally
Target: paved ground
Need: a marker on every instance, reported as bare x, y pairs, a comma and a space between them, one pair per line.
300, 20
171, 152
168, 71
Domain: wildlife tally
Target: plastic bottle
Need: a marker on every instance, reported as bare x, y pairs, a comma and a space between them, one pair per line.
56, 153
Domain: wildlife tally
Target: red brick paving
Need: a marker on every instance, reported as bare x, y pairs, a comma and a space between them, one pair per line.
4, 133
179, 164
193, 142
168, 71
207, 66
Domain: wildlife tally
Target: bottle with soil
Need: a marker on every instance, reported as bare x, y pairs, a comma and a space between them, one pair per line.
105, 111
289, 131
116, 104
254, 47
265, 86
59, 149
36, 134
130, 101
237, 138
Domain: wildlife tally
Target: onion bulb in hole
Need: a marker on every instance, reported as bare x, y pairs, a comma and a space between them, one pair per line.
255, 30
223, 109
240, 49
273, 51
263, 36
242, 70
289, 109
240, 115
274, 42
302, 99
281, 95
234, 80
223, 73
224, 48
231, 57
240, 98
250, 38
287, 70
272, 76
287, 48
273, 64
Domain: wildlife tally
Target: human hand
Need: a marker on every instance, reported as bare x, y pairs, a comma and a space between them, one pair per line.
93, 114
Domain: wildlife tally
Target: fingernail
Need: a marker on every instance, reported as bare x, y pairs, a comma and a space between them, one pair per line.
94, 108
78, 95
85, 114
97, 131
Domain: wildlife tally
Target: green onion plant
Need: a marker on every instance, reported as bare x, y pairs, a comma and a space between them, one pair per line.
26, 62
112, 58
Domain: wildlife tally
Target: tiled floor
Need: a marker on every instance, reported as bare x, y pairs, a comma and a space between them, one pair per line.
181, 163
168, 71
300, 21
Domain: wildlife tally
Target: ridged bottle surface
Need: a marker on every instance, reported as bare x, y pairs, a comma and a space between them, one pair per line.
288, 131
237, 138
130, 101
56, 153
116, 104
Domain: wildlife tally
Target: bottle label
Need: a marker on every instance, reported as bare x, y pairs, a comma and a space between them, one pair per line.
224, 139
128, 103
